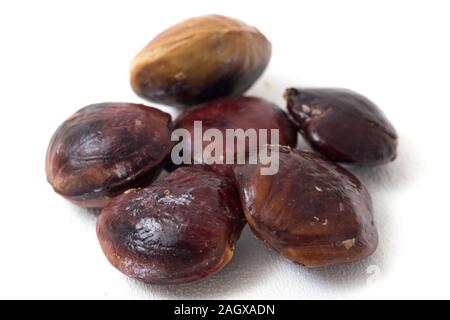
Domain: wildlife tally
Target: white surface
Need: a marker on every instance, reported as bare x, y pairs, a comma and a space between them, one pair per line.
58, 56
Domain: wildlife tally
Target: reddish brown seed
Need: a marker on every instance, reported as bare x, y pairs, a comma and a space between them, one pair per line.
237, 113
179, 230
104, 149
343, 126
312, 211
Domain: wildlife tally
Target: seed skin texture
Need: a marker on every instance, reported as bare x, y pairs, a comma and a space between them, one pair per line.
104, 149
343, 125
312, 212
177, 231
200, 59
237, 113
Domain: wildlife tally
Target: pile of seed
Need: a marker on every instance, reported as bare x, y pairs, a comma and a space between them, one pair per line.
184, 227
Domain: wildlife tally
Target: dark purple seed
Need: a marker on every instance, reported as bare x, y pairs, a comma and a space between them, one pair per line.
238, 113
343, 125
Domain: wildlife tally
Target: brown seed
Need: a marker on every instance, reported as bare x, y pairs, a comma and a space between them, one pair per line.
179, 236
237, 113
200, 59
343, 125
312, 211
104, 149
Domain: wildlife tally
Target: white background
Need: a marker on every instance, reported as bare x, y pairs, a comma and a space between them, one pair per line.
58, 56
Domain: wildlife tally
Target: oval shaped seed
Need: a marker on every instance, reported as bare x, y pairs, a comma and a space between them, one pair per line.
179, 230
312, 211
104, 149
200, 59
343, 126
251, 120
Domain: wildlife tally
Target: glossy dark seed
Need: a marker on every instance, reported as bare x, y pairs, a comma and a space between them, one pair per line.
313, 212
104, 149
176, 231
237, 113
343, 126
